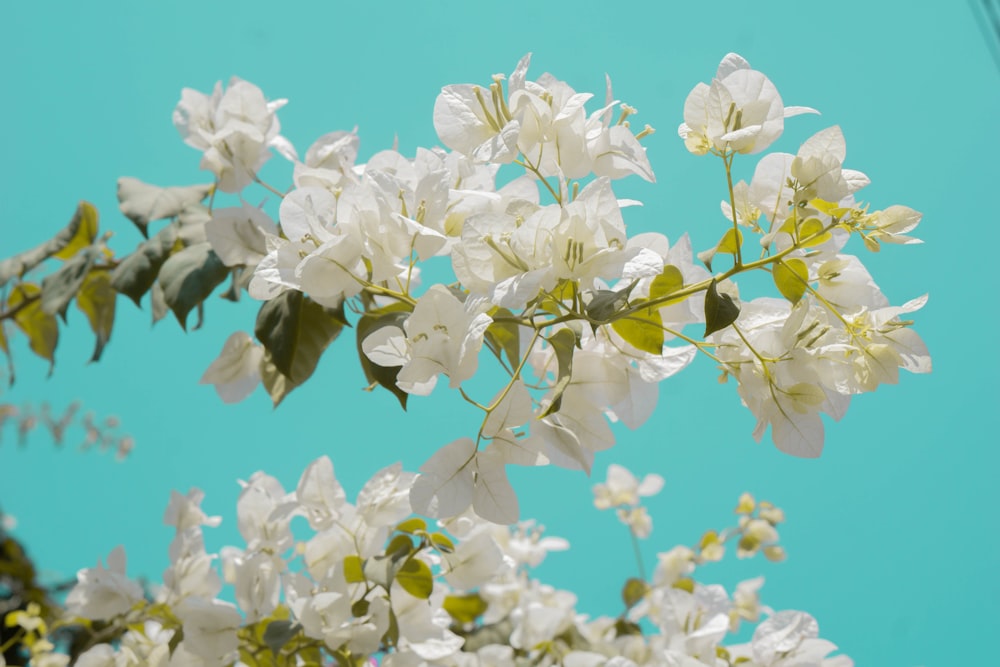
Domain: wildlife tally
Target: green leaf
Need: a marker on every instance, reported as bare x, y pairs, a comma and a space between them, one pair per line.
278, 385
643, 330
279, 633
442, 543
370, 322
84, 234
562, 342
624, 628
633, 591
40, 327
61, 287
138, 271
505, 337
189, 276
606, 303
158, 305
720, 310
353, 569
142, 203
18, 265
412, 525
465, 608
96, 299
668, 282
296, 330
382, 569
730, 242
810, 227
360, 608
791, 277
391, 636
416, 578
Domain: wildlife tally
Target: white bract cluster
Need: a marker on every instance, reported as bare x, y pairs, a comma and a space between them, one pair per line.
584, 319
368, 581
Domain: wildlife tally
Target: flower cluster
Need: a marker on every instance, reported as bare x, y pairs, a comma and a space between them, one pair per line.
371, 581
585, 320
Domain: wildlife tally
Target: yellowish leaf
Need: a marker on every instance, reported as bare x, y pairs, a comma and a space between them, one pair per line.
85, 232
41, 328
791, 277
96, 300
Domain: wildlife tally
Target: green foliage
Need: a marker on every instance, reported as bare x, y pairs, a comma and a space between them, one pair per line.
791, 277
373, 320
562, 342
720, 310
84, 218
465, 608
188, 277
143, 203
643, 330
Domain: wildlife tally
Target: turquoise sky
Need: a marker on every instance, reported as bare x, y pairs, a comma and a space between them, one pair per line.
892, 534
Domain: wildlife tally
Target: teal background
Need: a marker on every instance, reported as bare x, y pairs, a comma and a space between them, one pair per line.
892, 535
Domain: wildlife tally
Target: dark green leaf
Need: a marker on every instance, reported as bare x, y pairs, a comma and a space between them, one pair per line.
625, 628
275, 382
370, 322
18, 265
96, 300
142, 203
137, 272
720, 310
562, 342
359, 608
61, 287
189, 276
296, 330
606, 303
279, 633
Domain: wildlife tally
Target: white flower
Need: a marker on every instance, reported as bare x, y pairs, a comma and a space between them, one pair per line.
236, 371
442, 335
102, 593
235, 129
239, 235
740, 111
623, 489
210, 628
184, 512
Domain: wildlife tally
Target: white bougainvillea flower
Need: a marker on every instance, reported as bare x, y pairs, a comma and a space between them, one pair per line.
101, 593
259, 524
442, 335
236, 371
235, 128
184, 511
210, 628
458, 476
739, 111
238, 235
385, 498
623, 489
